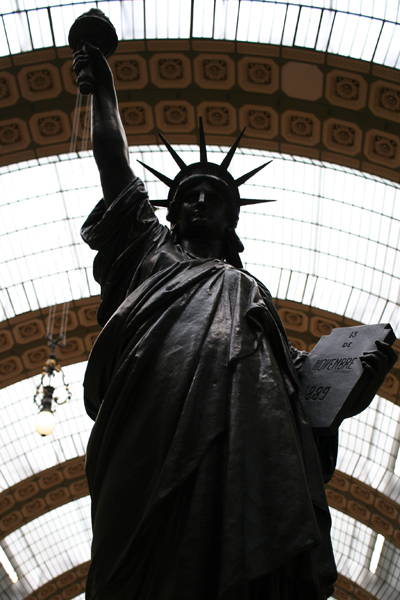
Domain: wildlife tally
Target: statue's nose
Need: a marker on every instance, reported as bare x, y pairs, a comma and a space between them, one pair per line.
202, 197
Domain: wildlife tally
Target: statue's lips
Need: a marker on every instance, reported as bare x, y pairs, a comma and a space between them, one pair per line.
201, 214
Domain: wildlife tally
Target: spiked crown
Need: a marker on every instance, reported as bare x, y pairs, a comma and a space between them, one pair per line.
204, 170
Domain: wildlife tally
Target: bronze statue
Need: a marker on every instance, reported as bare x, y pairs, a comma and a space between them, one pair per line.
206, 480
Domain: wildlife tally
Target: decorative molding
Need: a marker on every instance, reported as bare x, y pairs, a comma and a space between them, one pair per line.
342, 136
300, 127
36, 56
365, 504
50, 127
66, 586
346, 589
258, 75
214, 71
40, 82
172, 70
14, 135
382, 147
23, 350
8, 89
260, 121
218, 117
302, 81
130, 71
384, 100
303, 55
348, 90
41, 493
137, 117
175, 115
50, 85
350, 64
212, 46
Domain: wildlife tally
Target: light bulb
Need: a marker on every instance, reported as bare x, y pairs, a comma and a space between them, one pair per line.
45, 422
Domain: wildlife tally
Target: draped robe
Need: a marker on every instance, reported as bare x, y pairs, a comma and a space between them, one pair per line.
203, 471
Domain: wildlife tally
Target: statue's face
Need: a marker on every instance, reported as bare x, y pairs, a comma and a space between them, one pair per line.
203, 213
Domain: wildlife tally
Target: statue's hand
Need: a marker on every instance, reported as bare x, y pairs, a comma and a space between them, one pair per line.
379, 362
376, 365
90, 62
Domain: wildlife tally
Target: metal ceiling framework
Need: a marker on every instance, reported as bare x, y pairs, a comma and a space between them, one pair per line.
318, 86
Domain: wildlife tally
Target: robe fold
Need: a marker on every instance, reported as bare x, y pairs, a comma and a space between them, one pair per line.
203, 472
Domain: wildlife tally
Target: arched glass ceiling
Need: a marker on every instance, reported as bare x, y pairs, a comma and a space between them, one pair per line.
49, 546
331, 240
42, 550
353, 545
23, 452
39, 551
361, 29
369, 442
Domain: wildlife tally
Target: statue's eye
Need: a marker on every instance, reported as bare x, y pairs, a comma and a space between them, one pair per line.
213, 199
190, 198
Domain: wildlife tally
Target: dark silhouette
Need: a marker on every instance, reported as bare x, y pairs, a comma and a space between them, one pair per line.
206, 480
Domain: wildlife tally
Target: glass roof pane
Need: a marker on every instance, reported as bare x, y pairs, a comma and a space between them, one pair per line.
226, 15
353, 544
23, 452
292, 14
325, 30
249, 20
244, 21
392, 54
339, 226
17, 31
40, 28
203, 12
4, 48
51, 544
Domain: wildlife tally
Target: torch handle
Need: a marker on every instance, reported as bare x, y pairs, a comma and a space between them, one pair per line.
85, 82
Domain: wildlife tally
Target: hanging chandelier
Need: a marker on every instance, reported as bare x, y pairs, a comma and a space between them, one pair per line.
43, 398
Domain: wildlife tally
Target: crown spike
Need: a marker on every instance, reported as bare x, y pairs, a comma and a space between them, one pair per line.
250, 201
159, 175
203, 151
172, 152
227, 160
247, 176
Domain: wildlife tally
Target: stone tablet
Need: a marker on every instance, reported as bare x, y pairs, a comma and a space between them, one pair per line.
333, 379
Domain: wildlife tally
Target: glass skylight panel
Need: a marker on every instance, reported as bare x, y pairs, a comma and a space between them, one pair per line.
203, 18
352, 538
17, 31
244, 24
325, 29
4, 48
308, 26
388, 566
226, 15
23, 452
292, 13
51, 544
372, 435
356, 26
40, 28
345, 223
392, 54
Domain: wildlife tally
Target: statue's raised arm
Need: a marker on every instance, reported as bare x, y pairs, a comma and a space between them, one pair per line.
110, 146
